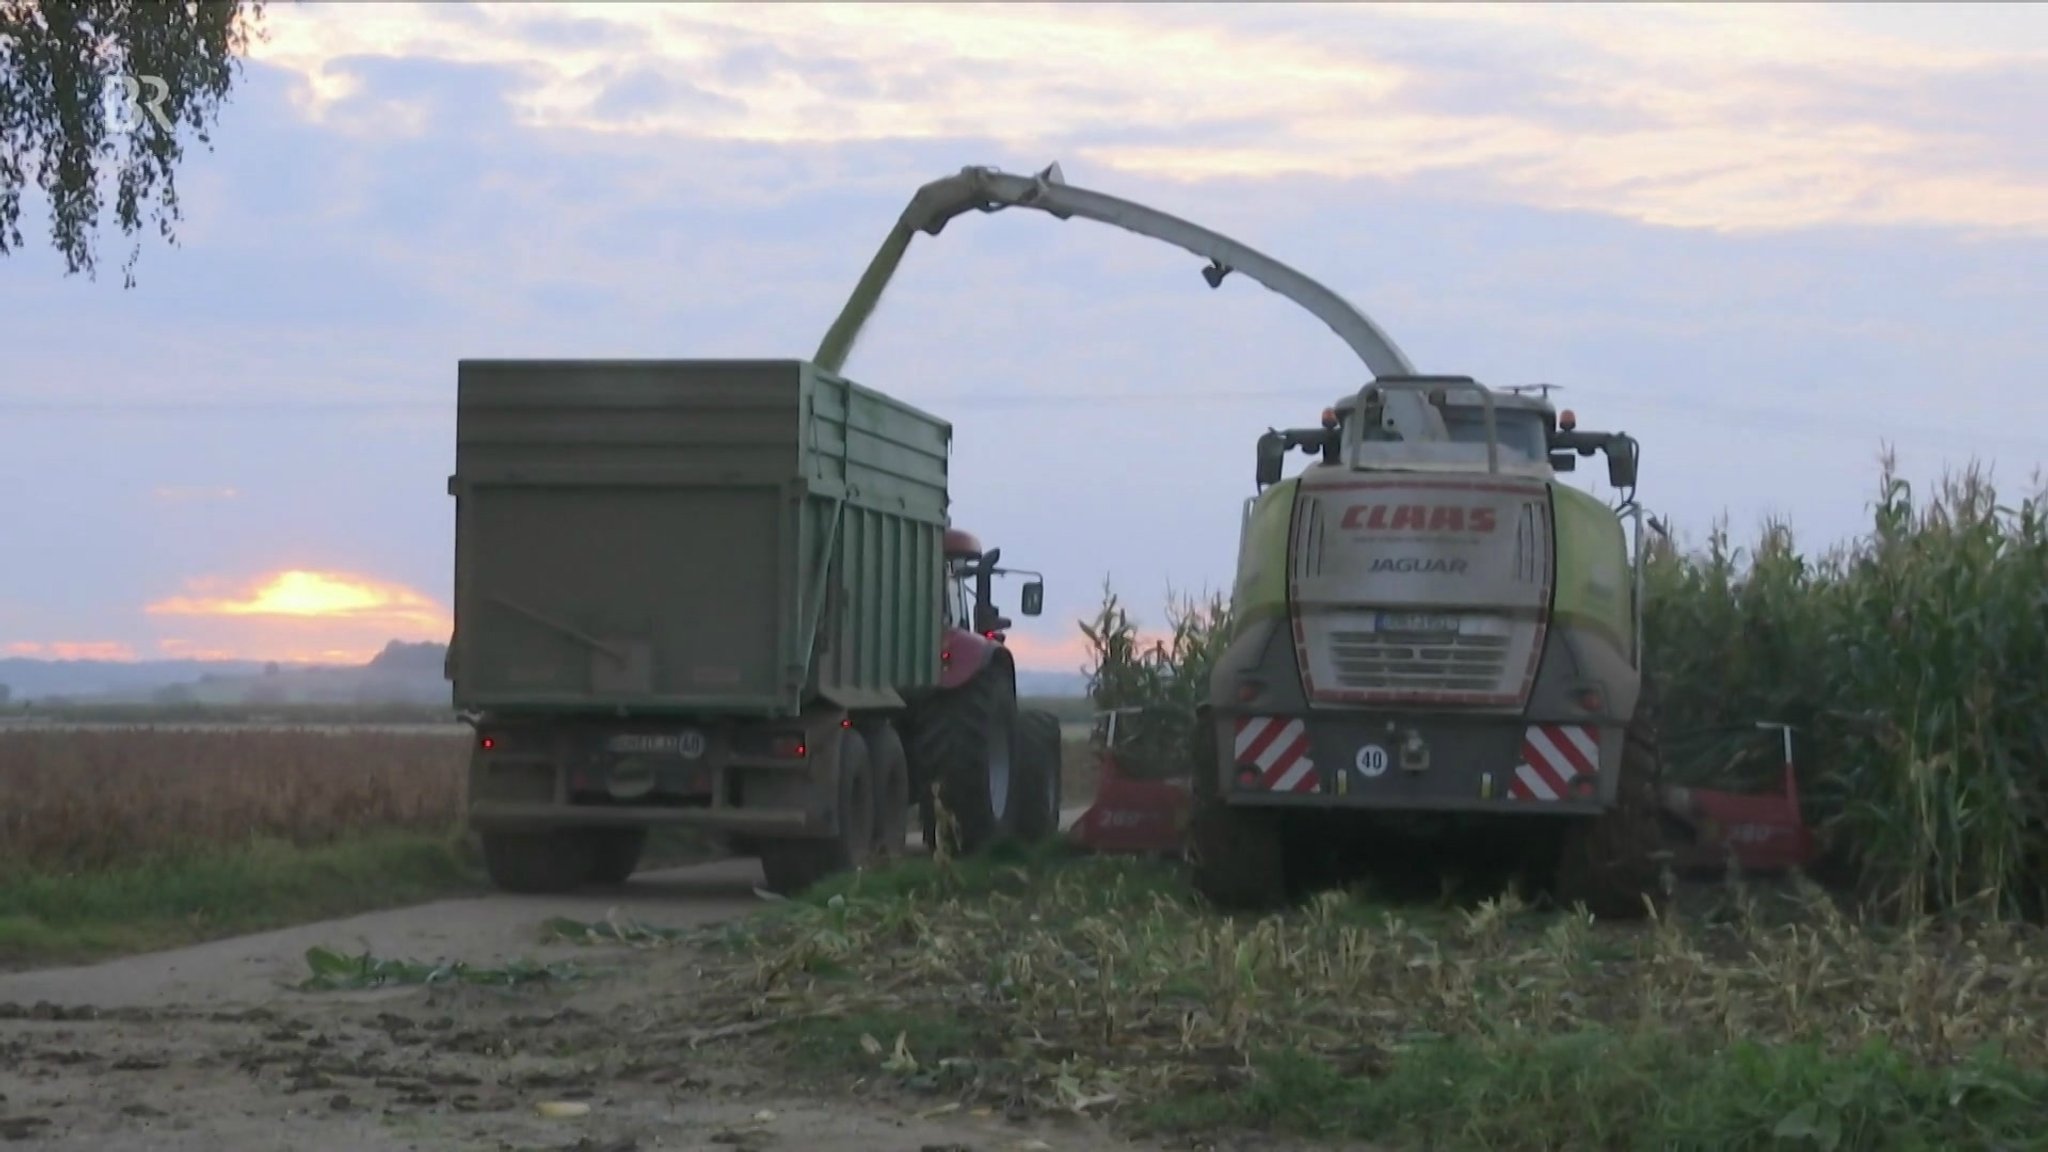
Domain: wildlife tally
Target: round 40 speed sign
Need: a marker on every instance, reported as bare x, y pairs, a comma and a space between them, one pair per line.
1372, 760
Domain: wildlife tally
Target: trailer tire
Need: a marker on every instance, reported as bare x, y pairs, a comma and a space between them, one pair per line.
1237, 859
892, 791
537, 863
1613, 863
966, 745
615, 854
791, 866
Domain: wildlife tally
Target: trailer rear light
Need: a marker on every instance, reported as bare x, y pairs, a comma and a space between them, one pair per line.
487, 743
945, 655
1247, 779
788, 748
1249, 690
846, 721
1590, 700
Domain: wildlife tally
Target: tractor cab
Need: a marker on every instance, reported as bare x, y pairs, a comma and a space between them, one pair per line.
970, 578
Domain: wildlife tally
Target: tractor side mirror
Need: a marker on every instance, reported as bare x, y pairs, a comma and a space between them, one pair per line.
1621, 461
1272, 456
1563, 462
1034, 598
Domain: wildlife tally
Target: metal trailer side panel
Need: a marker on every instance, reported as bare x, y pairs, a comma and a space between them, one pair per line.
697, 535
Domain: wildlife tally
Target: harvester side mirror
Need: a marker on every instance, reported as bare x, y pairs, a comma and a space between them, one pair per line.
1621, 461
1563, 462
1034, 598
1272, 457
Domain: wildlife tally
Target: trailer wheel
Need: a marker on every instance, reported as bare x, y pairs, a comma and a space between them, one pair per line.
537, 863
1613, 863
1036, 798
892, 791
615, 854
966, 745
1237, 857
790, 866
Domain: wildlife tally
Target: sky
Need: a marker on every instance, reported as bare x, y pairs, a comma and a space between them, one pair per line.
1766, 240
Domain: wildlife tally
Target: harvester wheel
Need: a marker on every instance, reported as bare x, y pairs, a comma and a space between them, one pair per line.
790, 866
1238, 860
614, 854
537, 863
1613, 863
892, 790
1037, 795
965, 743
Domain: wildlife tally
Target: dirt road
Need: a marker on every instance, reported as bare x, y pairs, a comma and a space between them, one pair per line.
214, 1047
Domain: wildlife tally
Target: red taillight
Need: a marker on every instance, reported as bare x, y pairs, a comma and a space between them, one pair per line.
846, 722
787, 748
990, 635
488, 743
1247, 779
945, 655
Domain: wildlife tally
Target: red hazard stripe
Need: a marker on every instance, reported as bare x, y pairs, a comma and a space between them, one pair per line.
1285, 762
1262, 741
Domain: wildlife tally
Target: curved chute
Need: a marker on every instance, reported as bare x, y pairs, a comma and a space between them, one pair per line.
988, 190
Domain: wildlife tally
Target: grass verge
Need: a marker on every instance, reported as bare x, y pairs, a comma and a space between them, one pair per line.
222, 891
1746, 1019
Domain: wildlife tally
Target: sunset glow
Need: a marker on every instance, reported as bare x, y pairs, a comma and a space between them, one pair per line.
298, 616
326, 595
69, 650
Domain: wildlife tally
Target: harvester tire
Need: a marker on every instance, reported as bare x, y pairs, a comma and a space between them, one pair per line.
1237, 859
892, 791
1613, 863
537, 863
1036, 798
614, 854
966, 744
789, 866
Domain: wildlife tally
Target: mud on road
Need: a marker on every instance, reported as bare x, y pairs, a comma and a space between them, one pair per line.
216, 1047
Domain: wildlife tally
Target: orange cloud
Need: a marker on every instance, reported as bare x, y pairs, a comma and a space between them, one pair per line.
299, 593
1070, 653
70, 650
300, 616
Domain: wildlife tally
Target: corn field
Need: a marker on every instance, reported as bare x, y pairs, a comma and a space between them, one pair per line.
1913, 661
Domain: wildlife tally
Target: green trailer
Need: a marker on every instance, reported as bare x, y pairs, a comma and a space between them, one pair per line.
701, 592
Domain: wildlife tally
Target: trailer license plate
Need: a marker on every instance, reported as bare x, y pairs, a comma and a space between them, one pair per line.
688, 745
1415, 622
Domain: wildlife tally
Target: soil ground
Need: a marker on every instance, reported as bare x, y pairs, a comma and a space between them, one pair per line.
215, 1047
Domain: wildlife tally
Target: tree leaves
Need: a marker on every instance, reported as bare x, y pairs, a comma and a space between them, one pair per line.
61, 68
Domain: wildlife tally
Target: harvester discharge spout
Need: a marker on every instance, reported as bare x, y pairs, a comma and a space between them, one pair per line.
987, 190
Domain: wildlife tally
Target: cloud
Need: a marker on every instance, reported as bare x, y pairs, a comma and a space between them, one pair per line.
1694, 116
301, 616
174, 495
318, 595
70, 650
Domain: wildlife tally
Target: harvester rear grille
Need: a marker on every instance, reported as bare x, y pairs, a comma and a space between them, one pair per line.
1382, 662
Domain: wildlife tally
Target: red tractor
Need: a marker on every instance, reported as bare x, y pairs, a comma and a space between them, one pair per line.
994, 767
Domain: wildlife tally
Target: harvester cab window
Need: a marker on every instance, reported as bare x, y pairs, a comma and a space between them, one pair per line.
1520, 431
